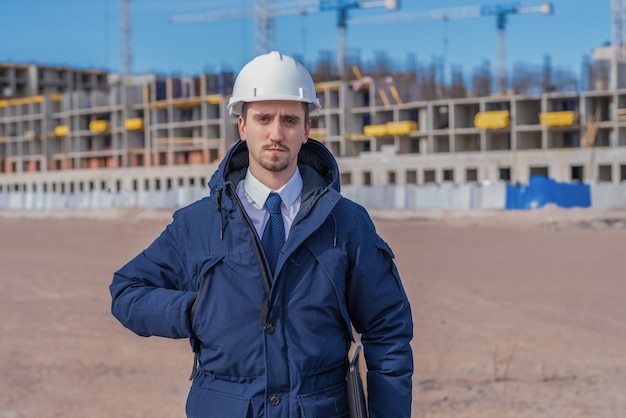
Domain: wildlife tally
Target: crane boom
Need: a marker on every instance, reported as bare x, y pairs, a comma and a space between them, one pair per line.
234, 13
425, 15
264, 12
501, 11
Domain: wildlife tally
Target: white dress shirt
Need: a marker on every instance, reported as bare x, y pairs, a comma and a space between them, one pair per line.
253, 195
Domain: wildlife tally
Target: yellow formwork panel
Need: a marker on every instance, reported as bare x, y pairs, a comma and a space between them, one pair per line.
99, 126
403, 127
133, 124
563, 118
61, 130
496, 119
214, 99
187, 102
355, 136
21, 101
375, 130
318, 133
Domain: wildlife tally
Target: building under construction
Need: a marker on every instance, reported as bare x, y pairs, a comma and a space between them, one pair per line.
64, 130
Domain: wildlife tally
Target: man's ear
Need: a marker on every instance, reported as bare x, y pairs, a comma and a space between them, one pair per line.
307, 131
241, 126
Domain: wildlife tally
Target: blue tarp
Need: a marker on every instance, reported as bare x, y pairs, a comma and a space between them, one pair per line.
542, 191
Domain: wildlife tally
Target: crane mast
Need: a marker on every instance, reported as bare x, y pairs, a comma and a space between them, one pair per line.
126, 39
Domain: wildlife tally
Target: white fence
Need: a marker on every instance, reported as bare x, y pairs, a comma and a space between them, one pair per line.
445, 196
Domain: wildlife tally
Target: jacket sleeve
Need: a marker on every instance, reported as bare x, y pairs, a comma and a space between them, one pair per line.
149, 294
380, 312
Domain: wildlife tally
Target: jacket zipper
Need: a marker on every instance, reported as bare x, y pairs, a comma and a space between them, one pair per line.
259, 254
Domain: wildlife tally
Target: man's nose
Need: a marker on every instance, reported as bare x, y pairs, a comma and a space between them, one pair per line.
276, 130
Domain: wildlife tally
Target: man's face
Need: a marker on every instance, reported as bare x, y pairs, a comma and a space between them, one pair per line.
274, 131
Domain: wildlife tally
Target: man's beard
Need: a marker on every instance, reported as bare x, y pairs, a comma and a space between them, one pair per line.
274, 164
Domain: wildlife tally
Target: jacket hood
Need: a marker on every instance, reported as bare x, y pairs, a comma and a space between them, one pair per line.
313, 155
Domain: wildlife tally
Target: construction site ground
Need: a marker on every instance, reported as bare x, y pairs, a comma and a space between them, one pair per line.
517, 314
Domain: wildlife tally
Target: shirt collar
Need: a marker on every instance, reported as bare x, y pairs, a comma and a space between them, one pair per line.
259, 192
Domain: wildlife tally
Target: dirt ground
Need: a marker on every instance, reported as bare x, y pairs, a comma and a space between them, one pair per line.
517, 314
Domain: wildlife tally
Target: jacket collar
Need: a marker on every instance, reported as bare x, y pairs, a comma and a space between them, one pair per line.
317, 165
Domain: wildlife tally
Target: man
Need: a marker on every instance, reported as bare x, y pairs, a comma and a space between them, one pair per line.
271, 325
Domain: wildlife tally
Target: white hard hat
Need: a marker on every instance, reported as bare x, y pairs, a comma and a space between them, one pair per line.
273, 76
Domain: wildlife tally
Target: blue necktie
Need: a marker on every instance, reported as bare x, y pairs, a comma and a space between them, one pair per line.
274, 233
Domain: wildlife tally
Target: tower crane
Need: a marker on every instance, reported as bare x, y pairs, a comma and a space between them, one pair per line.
618, 22
618, 35
501, 11
126, 39
264, 12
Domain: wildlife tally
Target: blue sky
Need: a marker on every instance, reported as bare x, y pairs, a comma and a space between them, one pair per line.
86, 34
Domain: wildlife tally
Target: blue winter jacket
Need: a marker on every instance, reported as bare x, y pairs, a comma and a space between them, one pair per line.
275, 346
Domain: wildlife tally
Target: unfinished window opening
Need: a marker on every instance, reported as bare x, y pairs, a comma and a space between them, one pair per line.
429, 176
605, 173
367, 178
577, 173
346, 178
471, 175
539, 171
391, 177
448, 174
504, 174
411, 177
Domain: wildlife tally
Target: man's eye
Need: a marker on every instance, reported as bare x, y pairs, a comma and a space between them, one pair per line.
290, 122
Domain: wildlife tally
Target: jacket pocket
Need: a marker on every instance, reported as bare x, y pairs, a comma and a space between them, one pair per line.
205, 272
203, 403
328, 403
